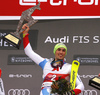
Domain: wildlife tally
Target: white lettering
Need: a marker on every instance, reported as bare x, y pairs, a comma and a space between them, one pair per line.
81, 39
59, 2
96, 39
96, 2
48, 39
56, 41
75, 0
67, 39
75, 38
53, 77
52, 3
85, 3
20, 76
80, 2
1, 42
65, 2
88, 76
86, 38
5, 43
2, 34
64, 39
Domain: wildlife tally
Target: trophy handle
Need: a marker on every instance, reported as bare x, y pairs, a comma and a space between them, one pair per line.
26, 15
29, 24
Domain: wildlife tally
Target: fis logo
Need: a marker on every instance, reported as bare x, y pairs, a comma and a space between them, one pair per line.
59, 2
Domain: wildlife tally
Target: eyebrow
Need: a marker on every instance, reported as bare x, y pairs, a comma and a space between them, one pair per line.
62, 49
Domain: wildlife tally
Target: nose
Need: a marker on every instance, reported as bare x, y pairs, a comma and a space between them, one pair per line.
61, 51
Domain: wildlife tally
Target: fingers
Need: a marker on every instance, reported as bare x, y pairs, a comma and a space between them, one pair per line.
26, 28
55, 86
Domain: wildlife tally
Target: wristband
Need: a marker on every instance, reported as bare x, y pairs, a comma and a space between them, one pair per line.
24, 35
72, 91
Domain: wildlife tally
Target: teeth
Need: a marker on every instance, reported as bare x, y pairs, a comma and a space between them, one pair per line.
60, 55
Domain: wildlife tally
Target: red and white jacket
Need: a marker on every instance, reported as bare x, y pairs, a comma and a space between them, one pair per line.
49, 73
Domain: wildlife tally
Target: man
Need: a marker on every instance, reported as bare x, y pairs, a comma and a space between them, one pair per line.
2, 92
52, 69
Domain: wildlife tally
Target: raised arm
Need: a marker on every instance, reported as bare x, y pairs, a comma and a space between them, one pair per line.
27, 47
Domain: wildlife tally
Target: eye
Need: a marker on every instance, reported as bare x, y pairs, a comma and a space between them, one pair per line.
59, 49
64, 50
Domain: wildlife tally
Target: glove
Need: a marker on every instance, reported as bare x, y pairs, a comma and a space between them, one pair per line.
70, 93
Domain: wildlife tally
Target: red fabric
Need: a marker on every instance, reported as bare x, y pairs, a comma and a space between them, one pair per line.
56, 69
77, 91
0, 73
70, 7
25, 40
50, 77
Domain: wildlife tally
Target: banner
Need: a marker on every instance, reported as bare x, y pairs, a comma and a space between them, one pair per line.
50, 9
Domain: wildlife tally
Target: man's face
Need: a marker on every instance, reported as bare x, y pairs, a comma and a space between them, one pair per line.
60, 54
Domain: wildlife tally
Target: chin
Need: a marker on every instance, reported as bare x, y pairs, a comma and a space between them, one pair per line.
60, 59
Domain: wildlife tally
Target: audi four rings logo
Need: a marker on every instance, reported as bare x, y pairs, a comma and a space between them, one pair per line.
89, 92
18, 92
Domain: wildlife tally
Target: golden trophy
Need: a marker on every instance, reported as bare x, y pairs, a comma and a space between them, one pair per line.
95, 82
14, 37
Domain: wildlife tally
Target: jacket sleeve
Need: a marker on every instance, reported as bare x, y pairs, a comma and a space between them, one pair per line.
29, 52
79, 86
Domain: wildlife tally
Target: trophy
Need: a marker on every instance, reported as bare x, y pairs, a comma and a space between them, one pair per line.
14, 37
95, 82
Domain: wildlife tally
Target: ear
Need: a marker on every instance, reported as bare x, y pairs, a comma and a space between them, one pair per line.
0, 73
